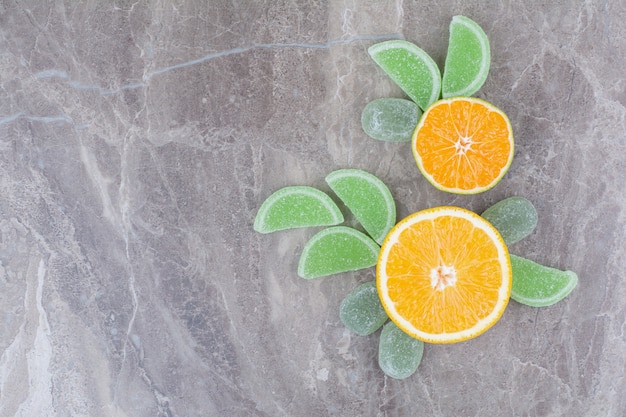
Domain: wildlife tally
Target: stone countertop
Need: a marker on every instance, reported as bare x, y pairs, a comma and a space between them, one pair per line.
139, 139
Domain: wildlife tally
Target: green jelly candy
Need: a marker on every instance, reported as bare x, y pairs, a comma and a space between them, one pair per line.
536, 285
361, 311
412, 69
514, 217
296, 206
399, 354
337, 249
390, 119
468, 59
368, 198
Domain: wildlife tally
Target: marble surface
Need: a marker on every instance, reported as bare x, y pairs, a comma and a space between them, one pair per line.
138, 139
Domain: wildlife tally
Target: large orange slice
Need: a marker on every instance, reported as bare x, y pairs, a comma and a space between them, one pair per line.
444, 275
463, 145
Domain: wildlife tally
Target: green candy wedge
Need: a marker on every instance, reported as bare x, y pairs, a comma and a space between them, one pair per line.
368, 198
536, 285
468, 59
361, 311
412, 69
514, 217
399, 354
296, 206
337, 249
390, 119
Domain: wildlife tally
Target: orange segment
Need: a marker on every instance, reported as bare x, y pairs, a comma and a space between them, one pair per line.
444, 275
463, 145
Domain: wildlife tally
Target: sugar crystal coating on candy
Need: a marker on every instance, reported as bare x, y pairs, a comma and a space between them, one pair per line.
368, 198
361, 311
514, 217
412, 69
296, 206
399, 354
390, 119
337, 249
468, 58
537, 285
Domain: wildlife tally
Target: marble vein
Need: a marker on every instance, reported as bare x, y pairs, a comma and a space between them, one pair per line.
38, 359
63, 118
63, 75
125, 228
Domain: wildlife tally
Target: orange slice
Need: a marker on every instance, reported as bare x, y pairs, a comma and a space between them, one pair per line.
463, 145
444, 275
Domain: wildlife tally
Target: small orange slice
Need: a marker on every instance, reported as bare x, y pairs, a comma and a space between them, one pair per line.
444, 275
463, 145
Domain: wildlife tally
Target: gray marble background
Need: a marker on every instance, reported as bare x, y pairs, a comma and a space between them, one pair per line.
138, 139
